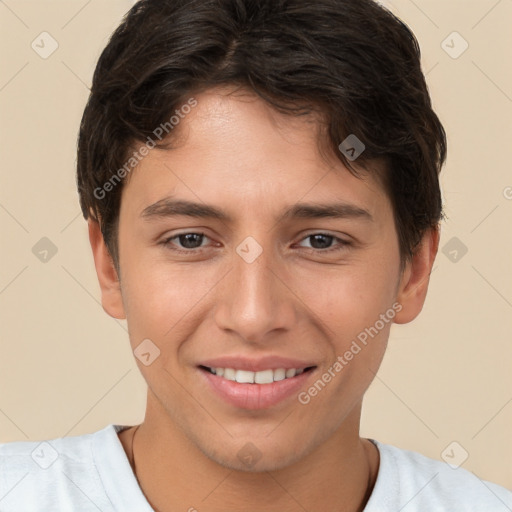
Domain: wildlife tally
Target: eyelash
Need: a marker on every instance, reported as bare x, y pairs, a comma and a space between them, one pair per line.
343, 244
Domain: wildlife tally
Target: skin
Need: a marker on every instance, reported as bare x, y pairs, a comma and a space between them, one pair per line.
294, 300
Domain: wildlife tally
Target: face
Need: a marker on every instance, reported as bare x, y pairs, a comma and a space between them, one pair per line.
245, 254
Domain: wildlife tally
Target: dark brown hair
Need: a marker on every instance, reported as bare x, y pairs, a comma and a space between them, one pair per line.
352, 60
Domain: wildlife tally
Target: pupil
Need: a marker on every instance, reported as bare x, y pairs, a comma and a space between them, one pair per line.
187, 240
316, 238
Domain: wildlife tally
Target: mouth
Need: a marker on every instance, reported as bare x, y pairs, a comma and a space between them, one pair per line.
254, 390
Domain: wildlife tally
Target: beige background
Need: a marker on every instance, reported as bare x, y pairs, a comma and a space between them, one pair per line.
66, 367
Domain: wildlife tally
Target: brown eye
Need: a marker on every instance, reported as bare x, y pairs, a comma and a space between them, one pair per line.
186, 242
322, 242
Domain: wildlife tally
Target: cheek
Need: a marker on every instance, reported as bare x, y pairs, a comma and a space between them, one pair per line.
349, 299
160, 299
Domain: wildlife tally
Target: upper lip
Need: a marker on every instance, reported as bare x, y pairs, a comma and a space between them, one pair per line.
256, 365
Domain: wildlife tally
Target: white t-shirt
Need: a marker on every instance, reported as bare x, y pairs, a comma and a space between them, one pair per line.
91, 473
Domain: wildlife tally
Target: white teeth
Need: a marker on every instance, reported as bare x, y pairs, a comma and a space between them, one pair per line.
229, 374
244, 377
262, 377
279, 374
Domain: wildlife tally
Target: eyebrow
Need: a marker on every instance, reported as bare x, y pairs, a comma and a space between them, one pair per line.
169, 207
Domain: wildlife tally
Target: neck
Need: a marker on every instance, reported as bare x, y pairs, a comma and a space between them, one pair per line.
175, 475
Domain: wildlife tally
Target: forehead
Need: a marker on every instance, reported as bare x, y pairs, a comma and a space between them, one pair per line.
232, 147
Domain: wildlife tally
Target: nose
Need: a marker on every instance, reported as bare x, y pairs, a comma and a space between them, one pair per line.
256, 299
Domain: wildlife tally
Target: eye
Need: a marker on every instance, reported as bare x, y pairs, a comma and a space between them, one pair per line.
191, 242
188, 242
321, 242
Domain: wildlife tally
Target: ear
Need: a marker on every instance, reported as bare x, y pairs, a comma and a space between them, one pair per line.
413, 286
111, 298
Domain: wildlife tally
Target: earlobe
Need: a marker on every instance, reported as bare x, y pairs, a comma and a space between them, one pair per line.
111, 297
414, 281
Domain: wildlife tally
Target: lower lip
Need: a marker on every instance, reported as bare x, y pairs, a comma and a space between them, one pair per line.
255, 396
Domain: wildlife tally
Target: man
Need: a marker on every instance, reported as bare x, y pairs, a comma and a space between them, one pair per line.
260, 180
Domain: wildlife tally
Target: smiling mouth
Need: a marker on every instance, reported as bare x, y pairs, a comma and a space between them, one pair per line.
262, 377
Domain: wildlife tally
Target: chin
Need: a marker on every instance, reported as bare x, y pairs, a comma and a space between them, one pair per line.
259, 464
254, 454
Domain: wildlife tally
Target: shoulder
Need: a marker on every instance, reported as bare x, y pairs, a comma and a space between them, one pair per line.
413, 482
42, 474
